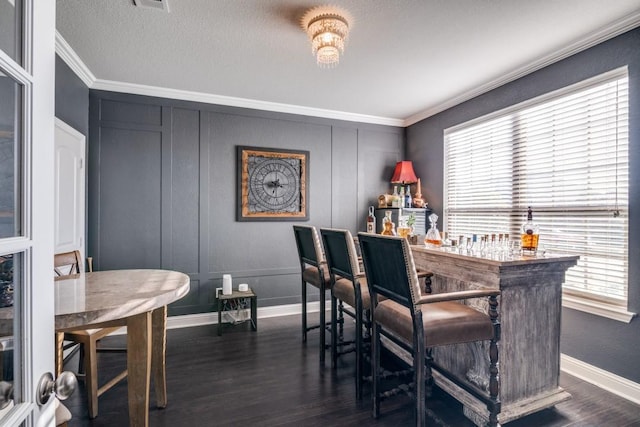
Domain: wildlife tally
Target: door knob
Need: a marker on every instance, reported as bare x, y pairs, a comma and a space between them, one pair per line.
62, 387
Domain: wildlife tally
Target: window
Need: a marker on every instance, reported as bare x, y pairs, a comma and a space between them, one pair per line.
564, 154
10, 156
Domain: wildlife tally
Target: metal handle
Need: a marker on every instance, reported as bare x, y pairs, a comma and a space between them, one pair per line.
62, 387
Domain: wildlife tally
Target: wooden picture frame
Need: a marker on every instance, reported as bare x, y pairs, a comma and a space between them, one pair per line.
272, 184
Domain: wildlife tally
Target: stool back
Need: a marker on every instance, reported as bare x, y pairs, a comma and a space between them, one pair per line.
340, 252
389, 267
308, 244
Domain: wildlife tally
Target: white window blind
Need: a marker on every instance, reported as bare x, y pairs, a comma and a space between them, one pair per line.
566, 156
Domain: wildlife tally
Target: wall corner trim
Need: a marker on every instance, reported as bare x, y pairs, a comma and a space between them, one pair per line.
599, 377
71, 58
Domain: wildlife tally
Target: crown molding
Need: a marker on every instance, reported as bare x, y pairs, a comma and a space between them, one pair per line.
596, 37
71, 58
231, 101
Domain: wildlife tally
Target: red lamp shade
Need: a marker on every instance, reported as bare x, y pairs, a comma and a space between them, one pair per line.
404, 173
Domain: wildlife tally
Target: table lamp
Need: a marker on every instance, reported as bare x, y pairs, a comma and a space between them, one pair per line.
404, 174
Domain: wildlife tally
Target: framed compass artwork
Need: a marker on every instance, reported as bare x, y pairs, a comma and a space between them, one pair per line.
272, 184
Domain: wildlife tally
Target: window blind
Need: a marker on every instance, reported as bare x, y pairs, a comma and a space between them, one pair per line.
566, 156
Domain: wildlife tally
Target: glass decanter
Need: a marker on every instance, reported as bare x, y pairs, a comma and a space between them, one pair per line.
432, 239
388, 227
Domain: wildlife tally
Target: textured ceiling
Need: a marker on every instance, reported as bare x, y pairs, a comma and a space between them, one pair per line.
404, 59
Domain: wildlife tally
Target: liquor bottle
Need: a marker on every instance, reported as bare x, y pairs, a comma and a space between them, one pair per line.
388, 227
407, 197
395, 197
529, 236
401, 197
371, 221
472, 245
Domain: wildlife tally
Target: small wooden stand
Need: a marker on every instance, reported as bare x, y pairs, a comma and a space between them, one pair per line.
236, 296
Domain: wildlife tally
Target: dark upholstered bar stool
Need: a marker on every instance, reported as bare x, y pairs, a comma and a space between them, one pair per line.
422, 274
418, 322
348, 285
313, 271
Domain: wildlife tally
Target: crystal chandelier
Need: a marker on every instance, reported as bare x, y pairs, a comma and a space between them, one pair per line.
328, 28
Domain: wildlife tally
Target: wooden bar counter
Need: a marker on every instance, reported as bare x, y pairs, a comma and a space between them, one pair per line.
530, 309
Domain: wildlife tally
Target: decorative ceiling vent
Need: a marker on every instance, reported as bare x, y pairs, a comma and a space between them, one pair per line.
153, 4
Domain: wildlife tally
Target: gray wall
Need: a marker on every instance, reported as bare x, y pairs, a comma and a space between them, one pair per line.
72, 98
162, 190
608, 344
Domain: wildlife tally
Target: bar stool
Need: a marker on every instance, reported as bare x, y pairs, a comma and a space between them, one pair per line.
348, 285
313, 271
418, 322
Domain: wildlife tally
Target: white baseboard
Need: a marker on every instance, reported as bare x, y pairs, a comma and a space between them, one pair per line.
601, 378
200, 319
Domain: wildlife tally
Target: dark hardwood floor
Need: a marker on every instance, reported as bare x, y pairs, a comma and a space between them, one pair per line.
270, 378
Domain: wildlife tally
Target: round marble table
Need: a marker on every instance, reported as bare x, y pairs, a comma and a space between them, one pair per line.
136, 299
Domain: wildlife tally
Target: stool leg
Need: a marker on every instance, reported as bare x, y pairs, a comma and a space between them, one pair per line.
419, 380
375, 368
304, 311
323, 321
219, 317
359, 356
341, 321
254, 313
334, 335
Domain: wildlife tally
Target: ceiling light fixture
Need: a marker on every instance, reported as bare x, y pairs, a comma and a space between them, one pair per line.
328, 28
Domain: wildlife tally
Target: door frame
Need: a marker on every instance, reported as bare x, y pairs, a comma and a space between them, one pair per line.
36, 76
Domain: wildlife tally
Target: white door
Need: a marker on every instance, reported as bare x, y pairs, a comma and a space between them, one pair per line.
69, 194
27, 70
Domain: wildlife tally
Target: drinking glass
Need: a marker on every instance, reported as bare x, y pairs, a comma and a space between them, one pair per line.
515, 248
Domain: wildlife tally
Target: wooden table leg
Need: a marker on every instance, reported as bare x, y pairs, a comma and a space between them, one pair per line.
139, 367
158, 352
